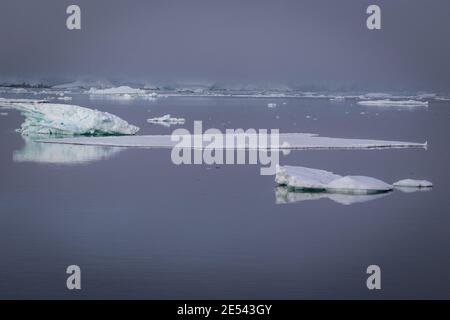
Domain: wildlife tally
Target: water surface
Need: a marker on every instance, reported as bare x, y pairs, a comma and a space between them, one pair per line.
142, 227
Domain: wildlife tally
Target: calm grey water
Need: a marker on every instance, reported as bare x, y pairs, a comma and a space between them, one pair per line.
141, 227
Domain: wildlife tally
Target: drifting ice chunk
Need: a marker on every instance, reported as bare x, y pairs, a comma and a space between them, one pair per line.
358, 184
394, 103
166, 120
301, 178
304, 178
272, 105
410, 183
152, 95
64, 119
116, 90
65, 98
122, 92
337, 98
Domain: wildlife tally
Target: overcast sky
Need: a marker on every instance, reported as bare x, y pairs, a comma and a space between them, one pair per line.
241, 41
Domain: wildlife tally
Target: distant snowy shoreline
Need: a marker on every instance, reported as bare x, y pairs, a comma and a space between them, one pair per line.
129, 92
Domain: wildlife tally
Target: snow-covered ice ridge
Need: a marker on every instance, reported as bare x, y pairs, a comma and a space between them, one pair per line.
64, 119
302, 178
287, 141
394, 103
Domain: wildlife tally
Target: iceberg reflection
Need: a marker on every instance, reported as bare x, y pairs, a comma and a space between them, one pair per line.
413, 189
284, 195
62, 153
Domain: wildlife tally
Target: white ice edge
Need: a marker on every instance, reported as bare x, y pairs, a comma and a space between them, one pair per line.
394, 103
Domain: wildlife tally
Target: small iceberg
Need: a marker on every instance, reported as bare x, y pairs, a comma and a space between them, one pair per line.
337, 98
272, 105
394, 103
65, 98
166, 120
411, 183
308, 179
65, 119
116, 91
4, 114
122, 93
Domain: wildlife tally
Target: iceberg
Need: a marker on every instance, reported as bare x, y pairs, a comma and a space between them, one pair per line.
394, 103
358, 184
287, 141
308, 179
166, 120
65, 119
272, 105
411, 183
284, 195
65, 98
304, 178
122, 92
3, 113
116, 91
338, 98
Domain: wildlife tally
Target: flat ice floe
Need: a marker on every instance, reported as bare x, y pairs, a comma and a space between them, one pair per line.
302, 178
166, 120
394, 103
287, 141
64, 119
411, 183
